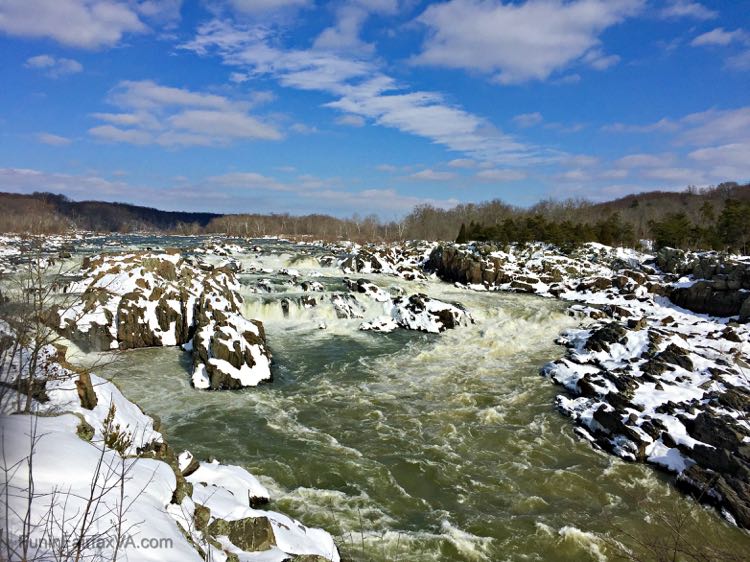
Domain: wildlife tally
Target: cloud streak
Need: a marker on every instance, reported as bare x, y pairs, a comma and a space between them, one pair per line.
155, 114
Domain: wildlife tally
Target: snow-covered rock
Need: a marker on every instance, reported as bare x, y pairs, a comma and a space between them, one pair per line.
420, 312
146, 299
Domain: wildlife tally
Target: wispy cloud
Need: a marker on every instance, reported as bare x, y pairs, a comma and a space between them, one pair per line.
528, 119
687, 9
360, 89
52, 139
432, 175
497, 175
54, 67
156, 114
720, 36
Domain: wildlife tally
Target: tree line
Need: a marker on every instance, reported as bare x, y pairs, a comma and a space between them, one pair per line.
714, 217
720, 226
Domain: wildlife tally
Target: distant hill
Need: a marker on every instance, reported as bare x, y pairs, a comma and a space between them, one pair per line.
640, 208
51, 213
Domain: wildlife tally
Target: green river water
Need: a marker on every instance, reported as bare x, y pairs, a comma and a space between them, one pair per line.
411, 446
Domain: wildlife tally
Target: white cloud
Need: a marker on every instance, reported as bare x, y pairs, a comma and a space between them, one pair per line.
115, 134
676, 176
497, 175
303, 129
599, 60
234, 192
432, 175
576, 175
664, 125
614, 174
687, 9
168, 116
519, 42
462, 163
528, 119
360, 89
386, 202
580, 160
716, 126
165, 11
78, 23
248, 180
388, 168
260, 7
54, 67
740, 61
644, 161
24, 180
719, 36
729, 161
222, 124
345, 34
351, 120
53, 140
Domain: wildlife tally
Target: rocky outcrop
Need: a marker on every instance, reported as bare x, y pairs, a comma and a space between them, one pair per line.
420, 312
542, 269
712, 298
720, 284
404, 260
229, 351
669, 389
146, 299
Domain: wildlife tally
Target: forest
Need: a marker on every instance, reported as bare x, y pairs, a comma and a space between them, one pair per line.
716, 217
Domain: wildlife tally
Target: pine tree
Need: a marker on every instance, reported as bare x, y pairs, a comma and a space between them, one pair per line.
461, 238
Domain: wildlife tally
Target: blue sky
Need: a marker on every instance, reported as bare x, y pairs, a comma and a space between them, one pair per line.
370, 106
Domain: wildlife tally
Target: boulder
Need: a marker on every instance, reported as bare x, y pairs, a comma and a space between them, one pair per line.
706, 297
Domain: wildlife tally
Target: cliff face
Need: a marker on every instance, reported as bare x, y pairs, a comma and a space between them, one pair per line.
720, 287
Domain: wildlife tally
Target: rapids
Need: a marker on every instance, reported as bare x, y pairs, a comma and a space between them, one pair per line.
411, 446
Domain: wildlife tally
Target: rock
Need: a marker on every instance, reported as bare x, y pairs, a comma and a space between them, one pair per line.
602, 337
745, 310
420, 312
229, 352
707, 297
187, 463
719, 431
252, 534
370, 289
675, 355
730, 494
86, 392
671, 260
347, 306
313, 286
521, 286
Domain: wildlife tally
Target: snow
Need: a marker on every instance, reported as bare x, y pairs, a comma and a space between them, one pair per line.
234, 479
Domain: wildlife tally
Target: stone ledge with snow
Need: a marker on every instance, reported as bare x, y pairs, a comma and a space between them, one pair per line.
146, 299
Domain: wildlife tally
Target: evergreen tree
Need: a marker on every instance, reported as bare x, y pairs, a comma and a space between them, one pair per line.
461, 238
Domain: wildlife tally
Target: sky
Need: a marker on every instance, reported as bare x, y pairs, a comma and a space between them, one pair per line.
370, 106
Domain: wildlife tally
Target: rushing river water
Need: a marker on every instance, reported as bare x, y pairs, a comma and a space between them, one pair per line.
410, 446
